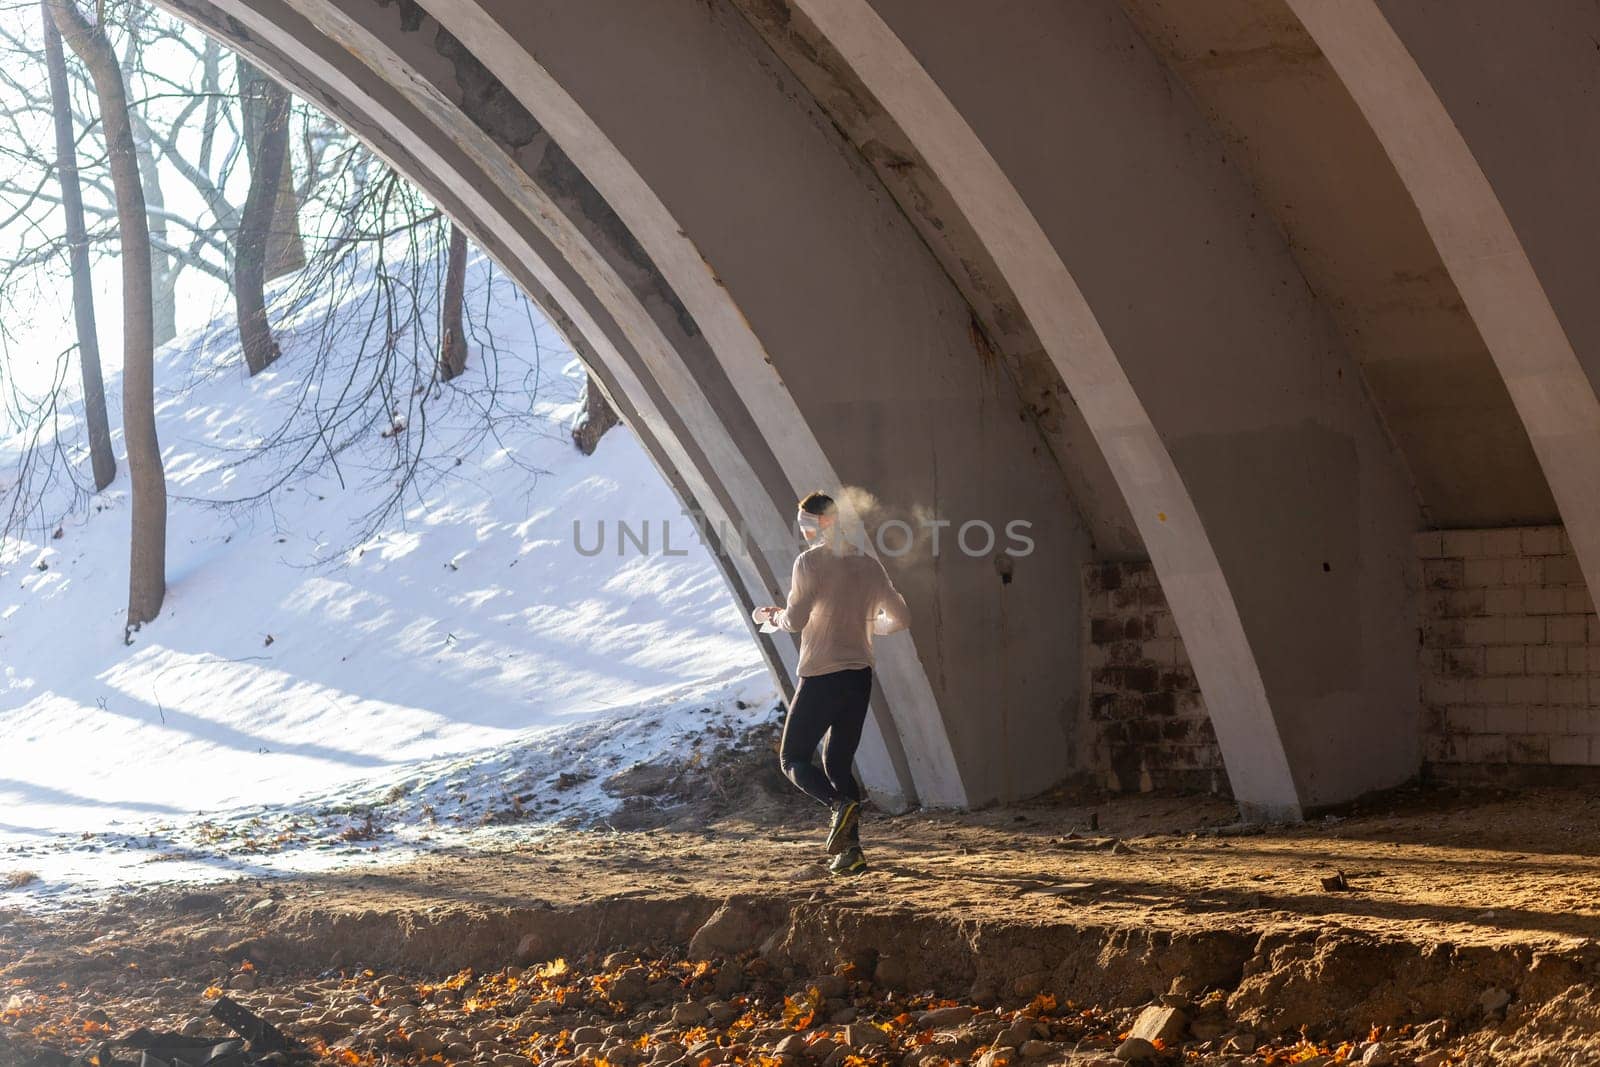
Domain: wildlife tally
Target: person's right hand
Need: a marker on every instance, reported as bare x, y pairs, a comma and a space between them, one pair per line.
762, 615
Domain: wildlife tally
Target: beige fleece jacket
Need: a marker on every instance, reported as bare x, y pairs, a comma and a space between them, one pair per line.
838, 598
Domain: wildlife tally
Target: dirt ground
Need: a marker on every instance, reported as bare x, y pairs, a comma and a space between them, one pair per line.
1457, 903
1473, 868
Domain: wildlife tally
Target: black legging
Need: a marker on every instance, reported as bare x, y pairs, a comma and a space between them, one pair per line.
832, 704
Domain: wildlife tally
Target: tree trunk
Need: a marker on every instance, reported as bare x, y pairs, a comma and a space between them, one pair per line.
101, 458
147, 573
594, 420
164, 268
271, 104
286, 251
452, 338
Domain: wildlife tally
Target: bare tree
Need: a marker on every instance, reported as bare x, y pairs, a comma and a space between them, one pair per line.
147, 580
269, 103
368, 372
261, 99
452, 341
164, 267
94, 392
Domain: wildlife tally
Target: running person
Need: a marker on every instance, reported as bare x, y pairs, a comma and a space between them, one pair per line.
838, 598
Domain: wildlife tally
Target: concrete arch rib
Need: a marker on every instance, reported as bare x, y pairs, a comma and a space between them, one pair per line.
1487, 261
1179, 546
708, 472
498, 35
565, 230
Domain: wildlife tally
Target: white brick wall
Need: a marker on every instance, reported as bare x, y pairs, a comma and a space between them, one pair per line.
1510, 650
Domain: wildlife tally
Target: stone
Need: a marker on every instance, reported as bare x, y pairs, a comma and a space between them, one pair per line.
1020, 1031
1494, 1001
588, 1035
1136, 1050
511, 1059
843, 1017
1035, 1049
730, 930
890, 973
996, 1057
245, 981
1376, 1055
1437, 1058
730, 979
831, 986
618, 960
1431, 1033
530, 949
689, 1013
426, 1042
631, 985
1240, 1043
1026, 986
793, 1045
941, 1018
668, 1051
864, 1035
722, 1013
984, 1030
1164, 1024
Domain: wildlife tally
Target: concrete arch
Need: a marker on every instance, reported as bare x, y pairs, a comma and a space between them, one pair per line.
604, 253
1173, 532
955, 757
924, 751
655, 413
945, 83
788, 234
742, 355
1478, 244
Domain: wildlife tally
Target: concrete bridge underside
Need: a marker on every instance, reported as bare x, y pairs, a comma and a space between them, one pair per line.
1254, 289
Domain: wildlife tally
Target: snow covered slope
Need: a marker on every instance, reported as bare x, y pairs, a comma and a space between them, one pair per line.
296, 658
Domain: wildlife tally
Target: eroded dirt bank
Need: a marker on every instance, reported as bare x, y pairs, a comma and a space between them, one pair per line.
1039, 938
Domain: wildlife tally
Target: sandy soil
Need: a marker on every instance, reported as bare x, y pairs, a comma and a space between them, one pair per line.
1456, 903
1474, 868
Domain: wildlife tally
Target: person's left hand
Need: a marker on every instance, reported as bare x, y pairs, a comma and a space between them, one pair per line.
761, 615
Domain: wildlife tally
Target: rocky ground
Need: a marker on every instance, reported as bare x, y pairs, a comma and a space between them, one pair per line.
1145, 929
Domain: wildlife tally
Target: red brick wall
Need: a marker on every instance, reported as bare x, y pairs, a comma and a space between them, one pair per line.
1146, 725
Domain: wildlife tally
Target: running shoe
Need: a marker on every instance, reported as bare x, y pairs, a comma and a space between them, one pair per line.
851, 861
846, 814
